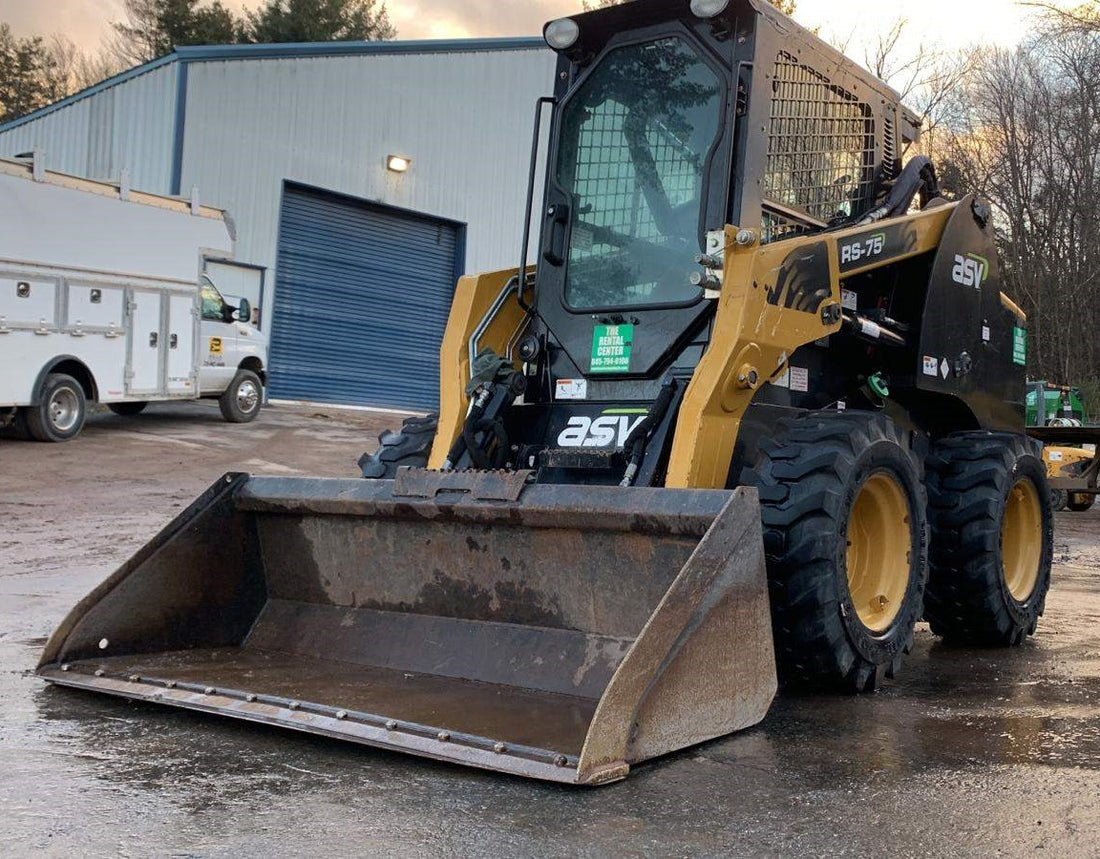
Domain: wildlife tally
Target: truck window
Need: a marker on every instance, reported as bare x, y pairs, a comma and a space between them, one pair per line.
213, 305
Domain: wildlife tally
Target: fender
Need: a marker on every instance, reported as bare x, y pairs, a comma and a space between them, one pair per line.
54, 363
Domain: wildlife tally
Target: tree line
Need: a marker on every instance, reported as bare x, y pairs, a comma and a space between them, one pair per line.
1022, 128
35, 71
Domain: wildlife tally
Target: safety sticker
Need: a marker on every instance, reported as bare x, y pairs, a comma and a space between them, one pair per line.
1019, 346
611, 345
1055, 456
215, 345
849, 300
571, 389
987, 335
931, 366
800, 379
783, 381
945, 369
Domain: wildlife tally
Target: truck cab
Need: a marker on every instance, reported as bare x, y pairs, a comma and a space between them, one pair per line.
232, 351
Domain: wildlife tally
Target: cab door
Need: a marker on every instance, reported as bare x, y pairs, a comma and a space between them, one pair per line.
218, 341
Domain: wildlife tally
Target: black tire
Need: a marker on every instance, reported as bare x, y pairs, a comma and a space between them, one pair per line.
974, 480
127, 410
1080, 502
813, 478
59, 415
1059, 500
410, 446
242, 400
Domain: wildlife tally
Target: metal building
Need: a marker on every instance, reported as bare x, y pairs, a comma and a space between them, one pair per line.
355, 263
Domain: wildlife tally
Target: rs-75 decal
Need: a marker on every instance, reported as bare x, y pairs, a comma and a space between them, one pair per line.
875, 245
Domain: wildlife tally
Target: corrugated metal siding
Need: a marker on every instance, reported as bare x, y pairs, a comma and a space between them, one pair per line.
361, 299
130, 125
464, 119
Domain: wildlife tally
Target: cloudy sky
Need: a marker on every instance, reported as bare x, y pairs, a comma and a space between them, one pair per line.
949, 23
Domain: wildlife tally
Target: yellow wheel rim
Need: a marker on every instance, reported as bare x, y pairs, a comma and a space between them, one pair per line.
1022, 540
879, 555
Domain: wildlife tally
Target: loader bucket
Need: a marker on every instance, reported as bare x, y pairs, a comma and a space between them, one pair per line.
557, 632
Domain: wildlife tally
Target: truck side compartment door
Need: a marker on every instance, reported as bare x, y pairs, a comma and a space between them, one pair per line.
182, 316
146, 344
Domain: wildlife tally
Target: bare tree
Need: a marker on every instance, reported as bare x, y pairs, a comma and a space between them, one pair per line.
1024, 134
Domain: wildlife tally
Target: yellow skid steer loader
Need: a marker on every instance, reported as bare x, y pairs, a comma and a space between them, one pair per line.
757, 410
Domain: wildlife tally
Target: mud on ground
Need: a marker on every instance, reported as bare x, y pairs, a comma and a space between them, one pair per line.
970, 752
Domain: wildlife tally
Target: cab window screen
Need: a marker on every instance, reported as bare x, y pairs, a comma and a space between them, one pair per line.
634, 148
821, 145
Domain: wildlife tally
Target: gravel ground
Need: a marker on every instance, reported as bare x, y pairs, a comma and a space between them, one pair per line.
970, 752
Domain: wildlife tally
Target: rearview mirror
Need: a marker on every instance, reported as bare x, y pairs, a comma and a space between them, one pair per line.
244, 311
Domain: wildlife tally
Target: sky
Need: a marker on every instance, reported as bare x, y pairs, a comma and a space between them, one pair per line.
943, 23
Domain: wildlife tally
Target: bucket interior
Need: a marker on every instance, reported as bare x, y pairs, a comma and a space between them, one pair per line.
504, 622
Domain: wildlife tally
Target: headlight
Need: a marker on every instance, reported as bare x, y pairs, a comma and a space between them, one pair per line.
562, 34
709, 8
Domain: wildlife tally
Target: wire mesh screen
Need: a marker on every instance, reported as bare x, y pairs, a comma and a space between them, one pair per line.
821, 145
607, 175
775, 226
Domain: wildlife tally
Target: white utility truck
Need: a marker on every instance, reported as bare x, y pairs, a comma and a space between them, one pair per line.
103, 298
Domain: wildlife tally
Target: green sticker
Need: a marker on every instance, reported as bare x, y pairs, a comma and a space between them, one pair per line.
611, 348
1019, 346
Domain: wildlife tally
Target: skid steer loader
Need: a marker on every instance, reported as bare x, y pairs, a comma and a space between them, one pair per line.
749, 416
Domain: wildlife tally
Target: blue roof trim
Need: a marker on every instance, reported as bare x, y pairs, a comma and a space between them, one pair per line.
121, 78
346, 49
310, 49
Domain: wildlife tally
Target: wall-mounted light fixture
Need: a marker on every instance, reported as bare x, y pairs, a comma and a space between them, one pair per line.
398, 163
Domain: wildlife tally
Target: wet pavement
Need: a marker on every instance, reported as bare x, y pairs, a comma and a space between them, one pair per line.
969, 753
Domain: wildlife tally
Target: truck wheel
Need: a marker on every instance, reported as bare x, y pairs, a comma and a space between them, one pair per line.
1059, 500
1080, 502
243, 399
411, 446
846, 541
992, 538
59, 415
127, 410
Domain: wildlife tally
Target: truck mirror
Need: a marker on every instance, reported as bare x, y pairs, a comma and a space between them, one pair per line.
244, 311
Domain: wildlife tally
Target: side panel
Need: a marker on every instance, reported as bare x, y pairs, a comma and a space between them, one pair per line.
145, 344
973, 341
28, 301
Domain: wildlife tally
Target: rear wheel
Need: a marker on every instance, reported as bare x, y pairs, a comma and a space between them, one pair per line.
59, 415
845, 535
1059, 500
992, 538
409, 447
242, 400
127, 410
1080, 502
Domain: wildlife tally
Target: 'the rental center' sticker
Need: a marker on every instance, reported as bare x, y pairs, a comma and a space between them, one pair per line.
611, 348
1019, 346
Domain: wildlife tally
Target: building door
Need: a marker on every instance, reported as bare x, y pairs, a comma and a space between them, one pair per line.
362, 295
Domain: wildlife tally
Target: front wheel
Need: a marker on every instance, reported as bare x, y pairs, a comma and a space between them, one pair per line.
845, 536
242, 400
59, 415
409, 447
992, 538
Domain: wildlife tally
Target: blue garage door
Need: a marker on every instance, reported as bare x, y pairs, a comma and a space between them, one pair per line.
362, 293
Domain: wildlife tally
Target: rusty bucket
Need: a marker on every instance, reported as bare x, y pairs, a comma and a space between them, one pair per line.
556, 632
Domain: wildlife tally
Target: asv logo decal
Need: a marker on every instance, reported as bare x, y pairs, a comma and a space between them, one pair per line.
864, 249
607, 431
970, 270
